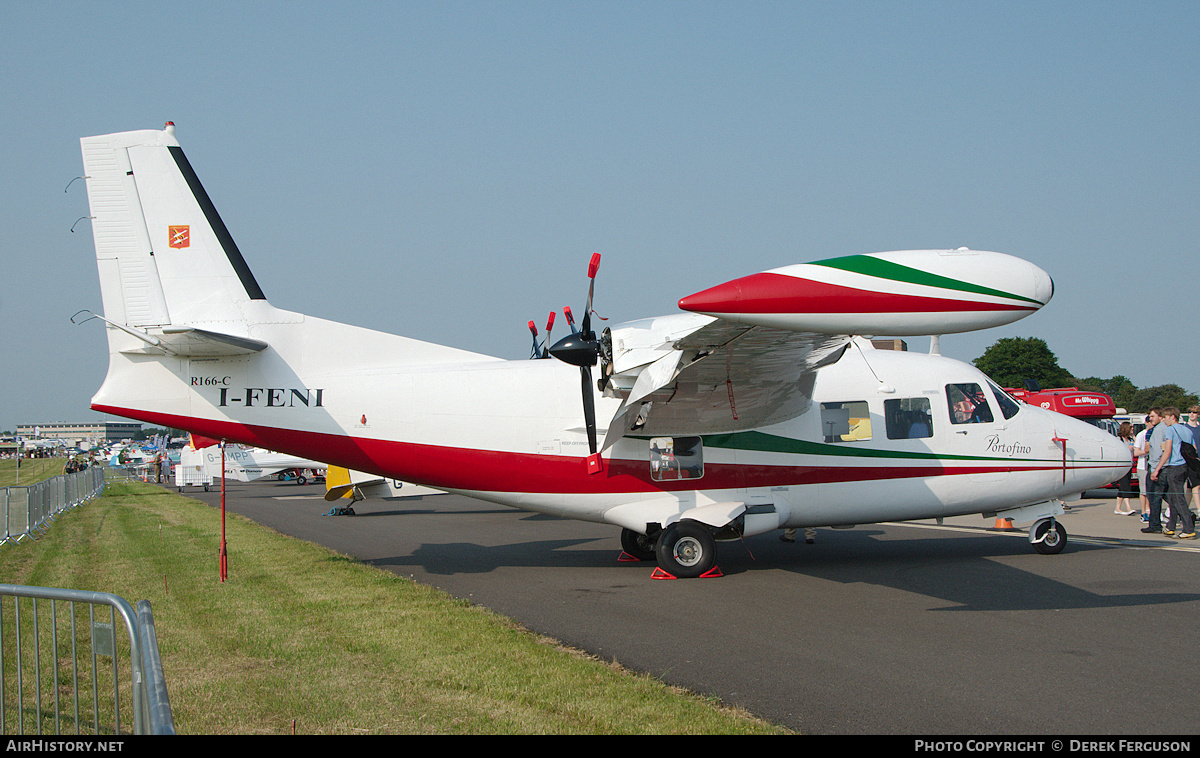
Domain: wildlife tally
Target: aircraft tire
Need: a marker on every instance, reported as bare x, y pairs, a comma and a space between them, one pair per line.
640, 546
1055, 537
686, 549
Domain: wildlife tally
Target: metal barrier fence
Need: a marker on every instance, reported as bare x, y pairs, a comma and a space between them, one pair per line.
46, 679
28, 511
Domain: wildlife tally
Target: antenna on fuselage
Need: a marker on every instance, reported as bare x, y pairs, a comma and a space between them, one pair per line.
883, 387
935, 344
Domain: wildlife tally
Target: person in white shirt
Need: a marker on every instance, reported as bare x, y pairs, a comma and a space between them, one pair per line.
1140, 464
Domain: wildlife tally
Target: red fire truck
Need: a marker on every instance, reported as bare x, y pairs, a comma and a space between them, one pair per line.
1094, 407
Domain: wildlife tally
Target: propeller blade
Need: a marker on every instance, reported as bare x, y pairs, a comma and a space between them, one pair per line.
533, 331
589, 406
593, 267
545, 352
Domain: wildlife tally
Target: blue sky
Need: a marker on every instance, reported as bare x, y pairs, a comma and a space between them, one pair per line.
444, 170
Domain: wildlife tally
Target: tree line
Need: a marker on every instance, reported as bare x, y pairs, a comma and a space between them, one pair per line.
1012, 360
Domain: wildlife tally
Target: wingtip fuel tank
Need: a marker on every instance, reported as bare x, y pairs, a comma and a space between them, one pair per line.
903, 293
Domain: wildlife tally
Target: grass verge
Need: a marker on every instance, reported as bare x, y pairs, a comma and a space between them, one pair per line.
302, 635
33, 470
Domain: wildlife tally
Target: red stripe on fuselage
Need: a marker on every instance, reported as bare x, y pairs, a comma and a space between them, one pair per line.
497, 471
780, 293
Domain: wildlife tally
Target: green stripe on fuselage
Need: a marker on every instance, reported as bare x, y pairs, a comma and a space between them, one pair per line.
871, 266
770, 443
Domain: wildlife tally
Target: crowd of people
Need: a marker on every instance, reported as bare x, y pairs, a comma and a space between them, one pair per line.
76, 464
1167, 481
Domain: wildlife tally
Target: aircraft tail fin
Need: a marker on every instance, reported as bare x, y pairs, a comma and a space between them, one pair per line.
164, 254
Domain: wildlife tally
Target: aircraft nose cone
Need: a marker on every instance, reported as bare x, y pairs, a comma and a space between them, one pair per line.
1116, 450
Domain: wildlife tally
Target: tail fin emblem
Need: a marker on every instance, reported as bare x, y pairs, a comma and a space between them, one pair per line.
180, 236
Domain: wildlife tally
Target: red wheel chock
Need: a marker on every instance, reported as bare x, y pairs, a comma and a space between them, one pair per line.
712, 573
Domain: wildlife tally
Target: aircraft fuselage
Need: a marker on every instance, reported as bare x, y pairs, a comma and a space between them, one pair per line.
511, 432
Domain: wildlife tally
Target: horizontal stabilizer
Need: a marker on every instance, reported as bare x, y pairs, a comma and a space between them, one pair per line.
182, 341
339, 492
358, 485
190, 342
340, 483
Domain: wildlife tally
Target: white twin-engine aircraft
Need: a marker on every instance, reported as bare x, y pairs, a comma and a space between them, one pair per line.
756, 408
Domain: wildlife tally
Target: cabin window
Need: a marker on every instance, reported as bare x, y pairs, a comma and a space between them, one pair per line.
845, 422
1008, 405
968, 404
673, 458
908, 418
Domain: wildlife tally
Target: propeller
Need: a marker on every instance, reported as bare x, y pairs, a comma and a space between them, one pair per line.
581, 348
549, 328
536, 351
539, 348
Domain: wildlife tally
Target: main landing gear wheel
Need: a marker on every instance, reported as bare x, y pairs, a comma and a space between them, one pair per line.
639, 546
686, 549
1048, 537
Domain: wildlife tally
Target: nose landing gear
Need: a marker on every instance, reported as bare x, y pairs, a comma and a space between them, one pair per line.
1048, 537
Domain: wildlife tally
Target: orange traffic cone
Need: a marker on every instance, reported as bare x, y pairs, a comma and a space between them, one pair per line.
1003, 525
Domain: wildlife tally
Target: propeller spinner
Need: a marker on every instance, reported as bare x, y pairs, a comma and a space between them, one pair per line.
582, 348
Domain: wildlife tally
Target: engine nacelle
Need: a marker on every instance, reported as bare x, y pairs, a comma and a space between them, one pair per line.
637, 343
